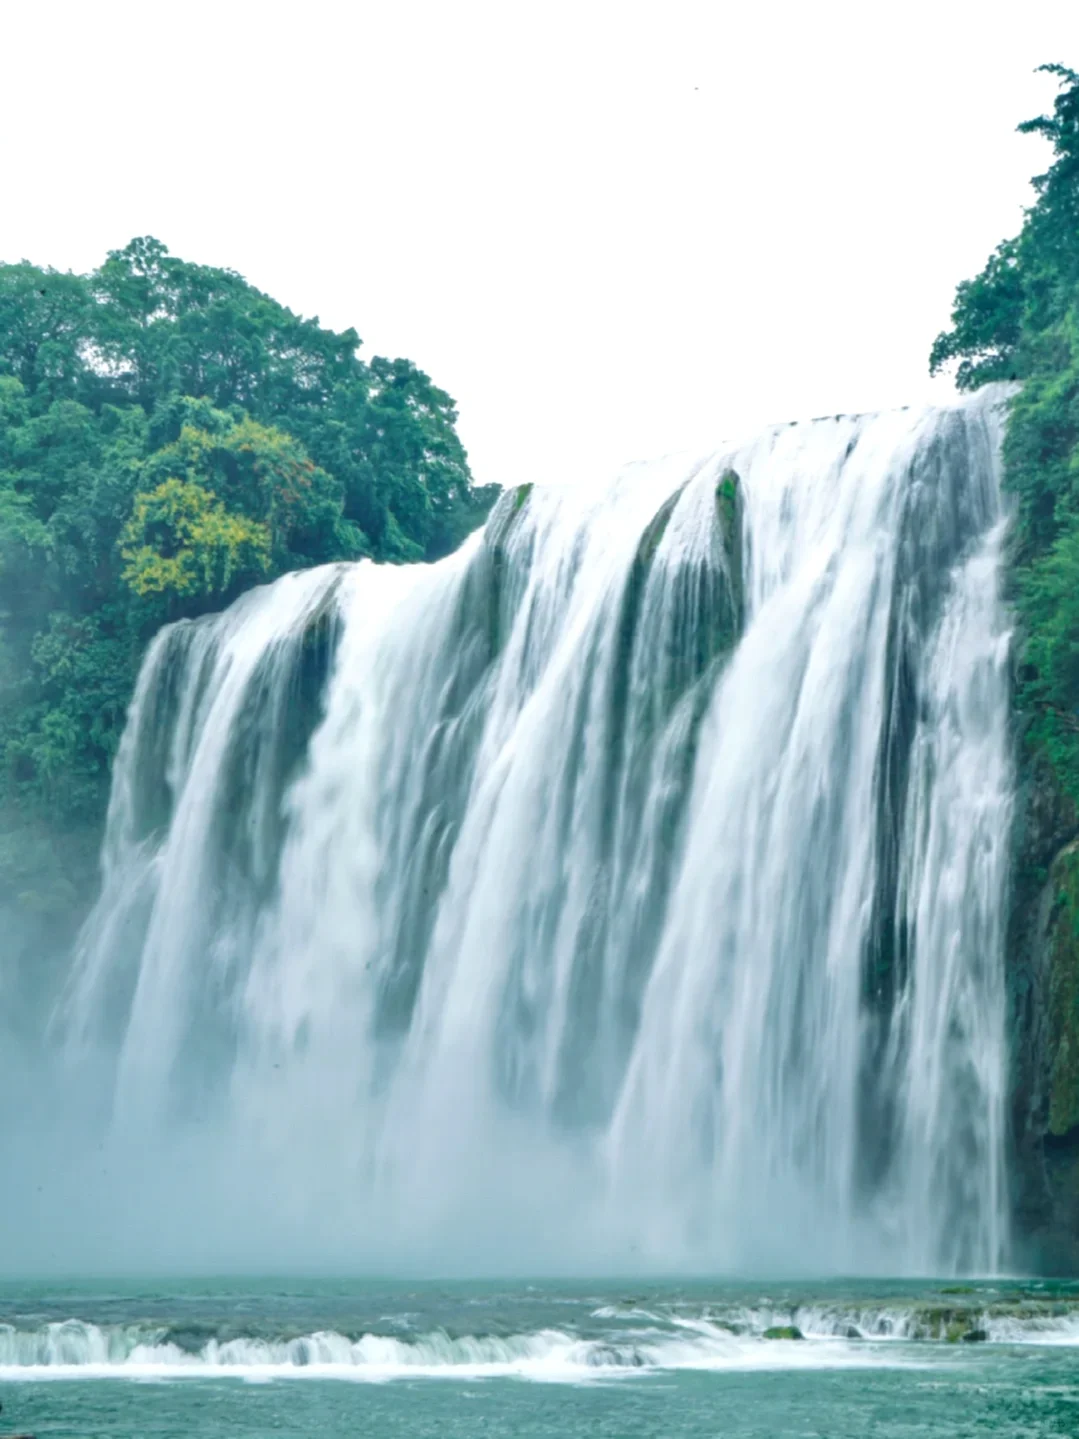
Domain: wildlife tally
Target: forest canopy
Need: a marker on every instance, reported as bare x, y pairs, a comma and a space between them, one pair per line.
169, 436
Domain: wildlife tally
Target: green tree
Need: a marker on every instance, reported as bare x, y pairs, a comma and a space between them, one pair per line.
1029, 283
45, 329
183, 545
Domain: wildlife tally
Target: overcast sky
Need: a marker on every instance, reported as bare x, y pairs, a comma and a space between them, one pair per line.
609, 230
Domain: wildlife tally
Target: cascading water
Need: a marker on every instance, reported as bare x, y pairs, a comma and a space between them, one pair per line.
624, 891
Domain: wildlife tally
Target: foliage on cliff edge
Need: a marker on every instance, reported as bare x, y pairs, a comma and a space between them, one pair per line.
169, 435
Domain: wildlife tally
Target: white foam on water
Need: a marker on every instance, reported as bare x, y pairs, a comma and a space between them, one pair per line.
73, 1350
1034, 1329
842, 1335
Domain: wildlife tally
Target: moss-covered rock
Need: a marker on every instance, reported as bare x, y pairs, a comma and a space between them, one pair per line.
519, 494
704, 590
1063, 993
485, 592
1040, 969
937, 1321
654, 532
783, 1331
730, 507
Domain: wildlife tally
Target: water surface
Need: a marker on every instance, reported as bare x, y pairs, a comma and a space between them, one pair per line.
139, 1360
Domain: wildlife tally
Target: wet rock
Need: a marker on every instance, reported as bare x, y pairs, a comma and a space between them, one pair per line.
1042, 976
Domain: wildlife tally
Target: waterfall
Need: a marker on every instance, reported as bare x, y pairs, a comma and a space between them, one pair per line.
623, 891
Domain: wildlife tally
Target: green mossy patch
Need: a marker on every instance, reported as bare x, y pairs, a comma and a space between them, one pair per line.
729, 502
486, 597
656, 529
1064, 993
710, 588
729, 511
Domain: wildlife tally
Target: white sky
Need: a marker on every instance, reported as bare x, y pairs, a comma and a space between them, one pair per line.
609, 230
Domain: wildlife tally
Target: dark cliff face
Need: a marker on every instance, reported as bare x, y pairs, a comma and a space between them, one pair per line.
1042, 963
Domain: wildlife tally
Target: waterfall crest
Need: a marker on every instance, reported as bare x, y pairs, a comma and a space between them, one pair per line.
624, 891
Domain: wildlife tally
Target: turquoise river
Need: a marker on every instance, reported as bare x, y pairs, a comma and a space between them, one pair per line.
457, 1360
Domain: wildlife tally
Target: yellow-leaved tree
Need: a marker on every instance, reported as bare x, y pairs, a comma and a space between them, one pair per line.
182, 545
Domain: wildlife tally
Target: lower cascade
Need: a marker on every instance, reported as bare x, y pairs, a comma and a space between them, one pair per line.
624, 892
